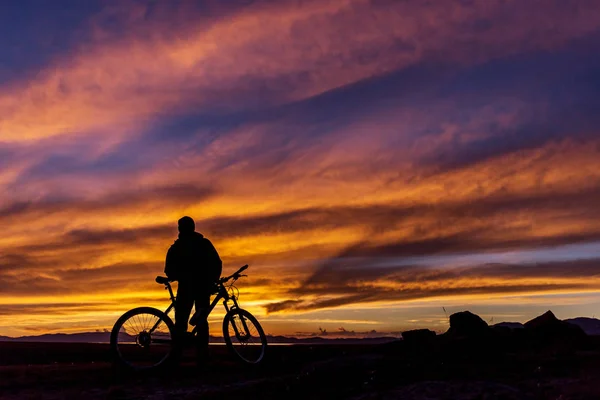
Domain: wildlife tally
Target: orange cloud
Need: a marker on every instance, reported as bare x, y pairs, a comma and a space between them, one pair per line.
287, 51
262, 188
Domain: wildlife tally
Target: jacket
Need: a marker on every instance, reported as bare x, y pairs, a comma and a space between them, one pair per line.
194, 262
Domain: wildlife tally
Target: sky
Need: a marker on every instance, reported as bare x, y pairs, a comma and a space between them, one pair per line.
379, 164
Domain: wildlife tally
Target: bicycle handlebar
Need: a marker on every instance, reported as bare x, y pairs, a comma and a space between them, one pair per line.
235, 275
166, 281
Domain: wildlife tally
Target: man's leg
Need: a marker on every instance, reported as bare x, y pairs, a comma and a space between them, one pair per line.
183, 307
203, 304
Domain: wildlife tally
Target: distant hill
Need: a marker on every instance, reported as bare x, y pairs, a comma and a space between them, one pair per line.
104, 337
341, 340
591, 326
511, 325
85, 337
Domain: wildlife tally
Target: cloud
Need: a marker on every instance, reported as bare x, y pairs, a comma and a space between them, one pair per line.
26, 215
499, 217
56, 309
382, 296
365, 284
208, 64
319, 141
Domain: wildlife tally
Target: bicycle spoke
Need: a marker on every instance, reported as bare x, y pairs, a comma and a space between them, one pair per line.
144, 352
131, 326
153, 321
155, 329
136, 321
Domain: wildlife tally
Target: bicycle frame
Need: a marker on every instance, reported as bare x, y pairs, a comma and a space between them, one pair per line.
222, 294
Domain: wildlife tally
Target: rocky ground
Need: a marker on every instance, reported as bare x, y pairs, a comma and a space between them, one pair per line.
466, 364
391, 371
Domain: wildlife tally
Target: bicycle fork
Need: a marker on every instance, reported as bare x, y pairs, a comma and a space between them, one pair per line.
246, 334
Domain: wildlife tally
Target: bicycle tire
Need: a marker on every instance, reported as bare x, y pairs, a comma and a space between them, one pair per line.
116, 334
244, 342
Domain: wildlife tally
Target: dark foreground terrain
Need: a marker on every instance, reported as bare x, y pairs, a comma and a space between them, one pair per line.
400, 370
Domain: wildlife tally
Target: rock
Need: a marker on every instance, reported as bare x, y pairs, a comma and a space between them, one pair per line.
419, 336
548, 329
467, 324
545, 320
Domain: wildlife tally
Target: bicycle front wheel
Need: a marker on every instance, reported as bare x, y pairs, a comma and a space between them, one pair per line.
142, 338
244, 336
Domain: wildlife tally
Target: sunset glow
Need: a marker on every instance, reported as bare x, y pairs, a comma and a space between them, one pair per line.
378, 164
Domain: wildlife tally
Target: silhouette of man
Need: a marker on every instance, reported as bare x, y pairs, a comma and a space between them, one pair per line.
194, 262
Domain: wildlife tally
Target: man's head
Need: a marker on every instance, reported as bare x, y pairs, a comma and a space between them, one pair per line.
186, 225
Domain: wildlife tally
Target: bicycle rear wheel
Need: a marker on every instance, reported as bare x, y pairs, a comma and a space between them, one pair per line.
142, 338
244, 336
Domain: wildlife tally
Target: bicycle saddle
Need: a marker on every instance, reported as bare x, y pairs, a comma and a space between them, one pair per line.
162, 280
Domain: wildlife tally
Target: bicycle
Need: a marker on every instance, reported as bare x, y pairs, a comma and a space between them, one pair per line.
142, 338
